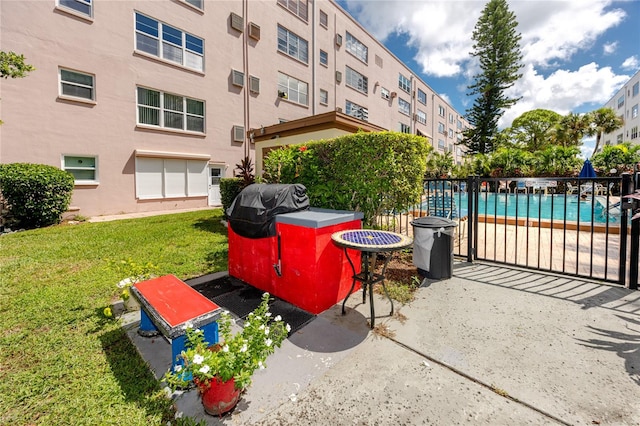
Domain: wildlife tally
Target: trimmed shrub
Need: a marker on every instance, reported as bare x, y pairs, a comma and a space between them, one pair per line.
229, 189
37, 194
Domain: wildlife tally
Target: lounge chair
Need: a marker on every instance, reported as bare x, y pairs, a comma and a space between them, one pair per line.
444, 205
571, 189
522, 186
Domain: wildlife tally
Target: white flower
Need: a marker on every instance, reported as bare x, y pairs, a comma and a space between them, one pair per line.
177, 368
260, 365
266, 331
197, 359
168, 391
268, 314
225, 348
288, 327
278, 318
127, 282
268, 342
204, 369
261, 327
243, 348
188, 325
179, 415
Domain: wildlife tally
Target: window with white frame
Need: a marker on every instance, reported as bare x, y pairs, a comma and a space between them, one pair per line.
324, 19
356, 80
166, 110
621, 101
384, 93
404, 83
634, 111
356, 111
172, 44
459, 124
451, 133
324, 97
619, 138
422, 97
441, 144
77, 84
634, 132
84, 7
635, 89
171, 178
291, 44
421, 117
440, 110
442, 129
451, 119
324, 58
404, 107
295, 90
297, 7
83, 168
196, 3
404, 128
357, 48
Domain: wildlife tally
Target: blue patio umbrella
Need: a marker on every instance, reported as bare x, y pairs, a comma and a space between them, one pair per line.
587, 170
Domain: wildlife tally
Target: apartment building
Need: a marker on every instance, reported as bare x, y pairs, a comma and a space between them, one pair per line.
625, 103
149, 103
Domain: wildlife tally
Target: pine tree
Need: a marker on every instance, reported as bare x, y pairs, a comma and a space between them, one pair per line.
497, 47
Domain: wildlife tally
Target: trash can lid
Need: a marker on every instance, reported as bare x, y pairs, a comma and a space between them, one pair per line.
433, 222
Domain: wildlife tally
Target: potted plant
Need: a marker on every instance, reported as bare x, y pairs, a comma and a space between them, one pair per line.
134, 273
221, 372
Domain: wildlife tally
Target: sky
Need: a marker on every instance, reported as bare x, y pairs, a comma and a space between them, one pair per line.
576, 53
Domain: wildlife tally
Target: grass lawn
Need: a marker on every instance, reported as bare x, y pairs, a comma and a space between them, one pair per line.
61, 361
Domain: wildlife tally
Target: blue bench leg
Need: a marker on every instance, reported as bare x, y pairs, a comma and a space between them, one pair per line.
178, 344
147, 328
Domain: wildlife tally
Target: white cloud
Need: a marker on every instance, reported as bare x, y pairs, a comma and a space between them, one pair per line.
632, 63
609, 48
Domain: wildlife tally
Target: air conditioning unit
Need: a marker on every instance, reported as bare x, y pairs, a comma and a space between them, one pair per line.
338, 77
237, 22
338, 109
254, 84
282, 94
254, 31
237, 78
238, 133
339, 39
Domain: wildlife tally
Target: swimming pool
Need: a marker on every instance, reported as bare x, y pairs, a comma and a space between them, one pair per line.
540, 206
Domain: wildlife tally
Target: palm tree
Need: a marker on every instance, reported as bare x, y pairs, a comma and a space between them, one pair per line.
571, 129
603, 120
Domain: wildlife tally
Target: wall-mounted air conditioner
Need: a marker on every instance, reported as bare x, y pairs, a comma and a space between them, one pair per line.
238, 133
237, 78
254, 31
338, 39
237, 22
338, 77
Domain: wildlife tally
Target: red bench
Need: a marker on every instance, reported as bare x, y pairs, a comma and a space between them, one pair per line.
168, 305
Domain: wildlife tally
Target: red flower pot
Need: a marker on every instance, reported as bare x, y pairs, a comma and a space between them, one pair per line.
219, 397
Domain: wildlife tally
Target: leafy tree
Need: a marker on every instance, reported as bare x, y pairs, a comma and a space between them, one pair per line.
510, 162
534, 129
603, 120
621, 157
439, 165
557, 160
497, 47
571, 129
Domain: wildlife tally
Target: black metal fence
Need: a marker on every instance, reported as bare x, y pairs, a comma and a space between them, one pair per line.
574, 226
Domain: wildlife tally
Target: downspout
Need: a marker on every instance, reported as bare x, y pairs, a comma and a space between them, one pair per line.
312, 98
412, 106
245, 66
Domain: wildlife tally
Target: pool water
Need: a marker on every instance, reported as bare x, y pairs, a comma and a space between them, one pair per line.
555, 207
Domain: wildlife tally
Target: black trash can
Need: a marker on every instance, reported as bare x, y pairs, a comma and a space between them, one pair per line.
433, 246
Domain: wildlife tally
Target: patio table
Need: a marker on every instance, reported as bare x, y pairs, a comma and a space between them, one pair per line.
370, 243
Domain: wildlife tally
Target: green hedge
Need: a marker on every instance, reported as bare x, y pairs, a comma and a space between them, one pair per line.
37, 194
367, 172
229, 189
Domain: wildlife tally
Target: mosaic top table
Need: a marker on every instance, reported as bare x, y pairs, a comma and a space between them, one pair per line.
370, 243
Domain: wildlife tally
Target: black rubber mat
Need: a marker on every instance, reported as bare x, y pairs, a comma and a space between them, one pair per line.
240, 299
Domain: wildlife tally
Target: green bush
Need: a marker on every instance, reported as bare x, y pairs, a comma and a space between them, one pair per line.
367, 172
229, 189
37, 194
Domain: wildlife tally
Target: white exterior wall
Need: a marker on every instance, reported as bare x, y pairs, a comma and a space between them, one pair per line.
630, 105
41, 127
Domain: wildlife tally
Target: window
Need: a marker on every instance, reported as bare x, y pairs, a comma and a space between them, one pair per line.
295, 90
76, 84
459, 124
169, 43
195, 3
421, 117
83, 7
357, 48
356, 111
451, 118
292, 45
324, 97
636, 89
621, 101
441, 129
384, 93
634, 132
324, 19
254, 84
619, 139
83, 169
634, 111
324, 58
422, 97
405, 128
441, 144
404, 83
451, 133
169, 111
356, 80
403, 106
440, 110
170, 178
297, 7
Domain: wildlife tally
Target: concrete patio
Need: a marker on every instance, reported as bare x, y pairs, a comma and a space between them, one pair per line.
492, 345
